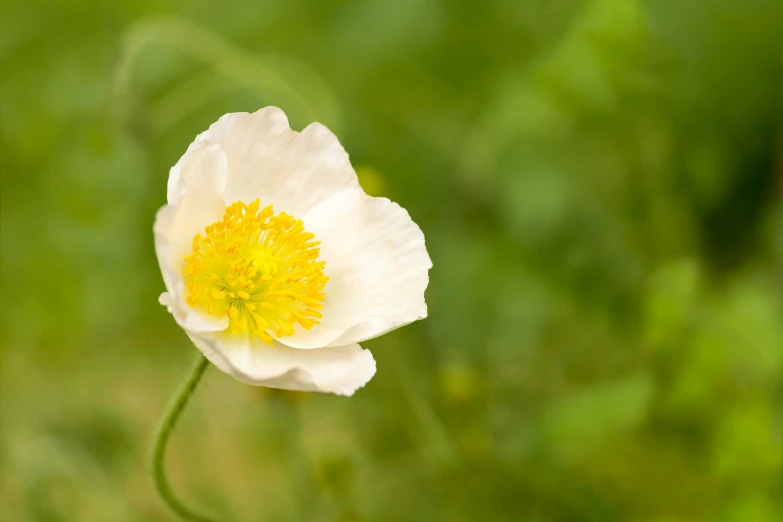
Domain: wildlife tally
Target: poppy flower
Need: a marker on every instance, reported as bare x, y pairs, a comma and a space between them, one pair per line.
275, 261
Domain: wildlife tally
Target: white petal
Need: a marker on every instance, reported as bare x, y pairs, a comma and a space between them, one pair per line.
195, 198
201, 171
189, 319
196, 186
174, 299
341, 370
267, 160
378, 268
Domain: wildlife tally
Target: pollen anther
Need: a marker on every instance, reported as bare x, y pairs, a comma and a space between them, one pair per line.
259, 269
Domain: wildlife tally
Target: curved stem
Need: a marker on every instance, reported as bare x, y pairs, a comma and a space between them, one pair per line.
169, 421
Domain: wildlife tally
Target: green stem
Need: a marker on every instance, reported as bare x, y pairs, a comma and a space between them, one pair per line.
169, 421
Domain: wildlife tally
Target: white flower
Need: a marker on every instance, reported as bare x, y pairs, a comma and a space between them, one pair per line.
277, 264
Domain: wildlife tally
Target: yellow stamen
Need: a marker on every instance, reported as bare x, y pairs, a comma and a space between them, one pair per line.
259, 269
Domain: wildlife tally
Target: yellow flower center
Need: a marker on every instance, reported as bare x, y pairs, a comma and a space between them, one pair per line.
259, 269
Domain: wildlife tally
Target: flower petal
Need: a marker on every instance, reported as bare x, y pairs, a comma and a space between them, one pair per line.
196, 186
189, 319
378, 267
341, 370
267, 160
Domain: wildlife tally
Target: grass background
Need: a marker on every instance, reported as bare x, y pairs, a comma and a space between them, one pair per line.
599, 183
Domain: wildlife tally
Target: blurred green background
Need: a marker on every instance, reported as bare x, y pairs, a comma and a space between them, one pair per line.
599, 183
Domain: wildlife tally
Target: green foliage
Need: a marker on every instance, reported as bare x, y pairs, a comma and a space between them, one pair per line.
599, 185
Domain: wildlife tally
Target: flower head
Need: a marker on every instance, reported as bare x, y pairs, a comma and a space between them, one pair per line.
275, 261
